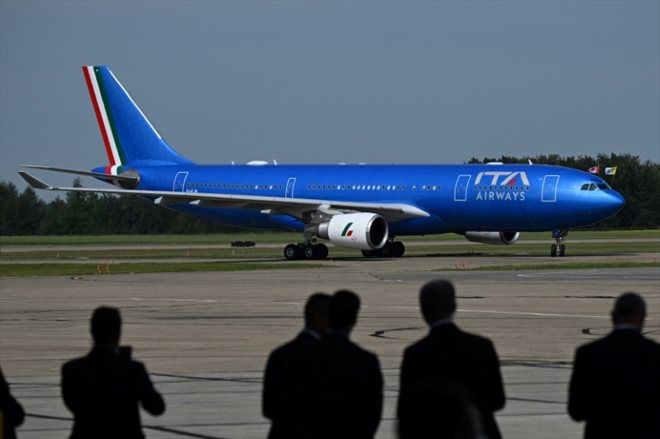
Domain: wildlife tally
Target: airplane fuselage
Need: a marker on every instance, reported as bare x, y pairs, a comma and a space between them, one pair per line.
457, 197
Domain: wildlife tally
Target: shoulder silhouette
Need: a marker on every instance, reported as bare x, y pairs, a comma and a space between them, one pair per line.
615, 385
450, 381
105, 388
11, 412
342, 393
279, 379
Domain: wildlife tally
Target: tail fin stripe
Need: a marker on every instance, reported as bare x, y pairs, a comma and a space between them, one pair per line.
102, 117
119, 157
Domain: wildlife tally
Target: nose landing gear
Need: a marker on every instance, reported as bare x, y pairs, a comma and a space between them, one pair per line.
558, 249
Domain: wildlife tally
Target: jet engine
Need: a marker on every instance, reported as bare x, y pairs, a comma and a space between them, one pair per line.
363, 231
493, 237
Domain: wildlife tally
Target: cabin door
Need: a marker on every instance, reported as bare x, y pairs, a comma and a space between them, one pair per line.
290, 185
179, 184
549, 192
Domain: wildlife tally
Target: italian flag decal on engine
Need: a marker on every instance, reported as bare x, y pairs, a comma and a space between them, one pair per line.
347, 232
94, 81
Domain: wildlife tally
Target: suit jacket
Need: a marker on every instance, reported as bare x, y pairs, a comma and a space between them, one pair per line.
342, 393
103, 390
463, 366
615, 386
278, 383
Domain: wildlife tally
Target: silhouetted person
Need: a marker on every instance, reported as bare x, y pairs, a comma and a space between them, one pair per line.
276, 397
343, 384
615, 385
11, 412
104, 388
465, 364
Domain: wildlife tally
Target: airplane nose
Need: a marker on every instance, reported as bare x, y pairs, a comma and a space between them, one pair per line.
616, 202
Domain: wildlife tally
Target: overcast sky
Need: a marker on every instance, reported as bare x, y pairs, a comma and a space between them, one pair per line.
310, 82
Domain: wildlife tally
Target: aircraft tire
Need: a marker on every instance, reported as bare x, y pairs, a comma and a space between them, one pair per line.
553, 250
386, 250
397, 249
292, 252
562, 250
323, 251
310, 252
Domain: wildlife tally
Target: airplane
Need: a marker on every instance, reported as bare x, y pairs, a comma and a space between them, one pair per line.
359, 206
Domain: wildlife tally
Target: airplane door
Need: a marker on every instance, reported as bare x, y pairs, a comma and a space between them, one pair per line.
290, 185
549, 191
460, 190
179, 184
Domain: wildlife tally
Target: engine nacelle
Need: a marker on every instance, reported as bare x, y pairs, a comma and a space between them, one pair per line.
493, 237
363, 231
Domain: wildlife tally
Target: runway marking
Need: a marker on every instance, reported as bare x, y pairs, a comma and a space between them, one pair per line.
537, 314
140, 299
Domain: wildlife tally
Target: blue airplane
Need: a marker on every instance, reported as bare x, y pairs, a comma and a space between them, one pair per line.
359, 206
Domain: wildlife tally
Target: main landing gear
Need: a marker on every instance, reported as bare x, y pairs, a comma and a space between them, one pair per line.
558, 249
307, 251
393, 249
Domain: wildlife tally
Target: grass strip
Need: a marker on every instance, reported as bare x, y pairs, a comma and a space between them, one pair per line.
560, 266
25, 270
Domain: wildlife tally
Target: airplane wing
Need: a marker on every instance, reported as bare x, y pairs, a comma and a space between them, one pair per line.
310, 211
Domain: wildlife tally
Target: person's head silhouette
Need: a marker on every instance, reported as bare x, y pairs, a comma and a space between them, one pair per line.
629, 309
344, 308
316, 312
437, 301
106, 327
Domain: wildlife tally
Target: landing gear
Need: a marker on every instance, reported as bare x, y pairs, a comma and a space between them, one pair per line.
558, 249
305, 251
394, 249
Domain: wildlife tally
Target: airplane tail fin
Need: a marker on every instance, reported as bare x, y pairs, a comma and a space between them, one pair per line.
128, 135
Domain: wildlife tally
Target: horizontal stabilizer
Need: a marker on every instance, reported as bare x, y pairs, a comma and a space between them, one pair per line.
34, 181
126, 178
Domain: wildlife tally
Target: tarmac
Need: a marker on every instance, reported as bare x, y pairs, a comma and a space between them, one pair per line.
205, 337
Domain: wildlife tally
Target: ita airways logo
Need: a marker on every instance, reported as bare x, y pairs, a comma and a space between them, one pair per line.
347, 232
502, 178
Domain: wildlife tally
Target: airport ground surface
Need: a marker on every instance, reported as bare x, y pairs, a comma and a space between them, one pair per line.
205, 336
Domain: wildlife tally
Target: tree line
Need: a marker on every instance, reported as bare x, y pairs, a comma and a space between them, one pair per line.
79, 213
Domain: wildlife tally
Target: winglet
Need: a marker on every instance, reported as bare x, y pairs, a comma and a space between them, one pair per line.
34, 181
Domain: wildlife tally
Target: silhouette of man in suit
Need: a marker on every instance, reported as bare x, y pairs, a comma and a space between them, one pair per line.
464, 366
615, 385
104, 388
11, 412
342, 383
276, 398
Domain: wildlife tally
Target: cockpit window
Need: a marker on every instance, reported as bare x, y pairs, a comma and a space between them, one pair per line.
594, 186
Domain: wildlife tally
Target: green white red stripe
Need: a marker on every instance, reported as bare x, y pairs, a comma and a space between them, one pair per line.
104, 117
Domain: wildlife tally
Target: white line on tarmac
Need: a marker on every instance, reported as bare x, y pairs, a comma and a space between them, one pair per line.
537, 314
172, 300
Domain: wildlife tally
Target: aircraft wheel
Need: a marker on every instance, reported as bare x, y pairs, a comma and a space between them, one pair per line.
292, 252
310, 252
323, 251
397, 249
562, 250
553, 250
386, 251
